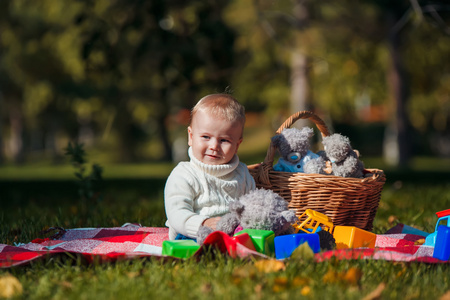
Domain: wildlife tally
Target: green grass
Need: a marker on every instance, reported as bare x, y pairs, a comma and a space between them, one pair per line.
29, 206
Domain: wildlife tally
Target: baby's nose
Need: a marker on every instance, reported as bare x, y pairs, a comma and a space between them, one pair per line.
213, 144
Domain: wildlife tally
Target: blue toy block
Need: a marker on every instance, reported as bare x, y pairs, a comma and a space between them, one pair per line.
262, 240
442, 246
180, 248
286, 244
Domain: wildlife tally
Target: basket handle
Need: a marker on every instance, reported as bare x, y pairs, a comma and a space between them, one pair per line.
267, 164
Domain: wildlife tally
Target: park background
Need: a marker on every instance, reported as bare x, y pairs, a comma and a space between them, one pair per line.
119, 78
116, 79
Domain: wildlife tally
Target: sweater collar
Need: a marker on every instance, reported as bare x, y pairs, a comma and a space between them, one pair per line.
215, 170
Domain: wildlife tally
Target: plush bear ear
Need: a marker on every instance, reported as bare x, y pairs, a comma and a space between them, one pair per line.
276, 139
237, 207
307, 131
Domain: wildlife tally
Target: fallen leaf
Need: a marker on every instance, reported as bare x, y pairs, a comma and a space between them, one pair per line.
258, 288
392, 219
330, 277
206, 288
270, 265
419, 242
281, 280
376, 293
299, 281
446, 296
245, 271
303, 252
306, 290
352, 276
10, 286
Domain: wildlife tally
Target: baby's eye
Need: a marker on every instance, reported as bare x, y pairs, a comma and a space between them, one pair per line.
225, 141
205, 137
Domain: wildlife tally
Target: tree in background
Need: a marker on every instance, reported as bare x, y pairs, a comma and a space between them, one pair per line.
85, 69
111, 73
358, 58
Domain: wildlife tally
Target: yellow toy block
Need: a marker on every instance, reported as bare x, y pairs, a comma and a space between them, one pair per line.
353, 237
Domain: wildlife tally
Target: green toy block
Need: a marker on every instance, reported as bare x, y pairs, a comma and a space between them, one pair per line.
180, 248
262, 239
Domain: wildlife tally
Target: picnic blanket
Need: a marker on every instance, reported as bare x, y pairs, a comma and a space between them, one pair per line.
133, 240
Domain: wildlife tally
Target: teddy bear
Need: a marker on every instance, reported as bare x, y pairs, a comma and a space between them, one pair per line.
260, 209
344, 160
293, 145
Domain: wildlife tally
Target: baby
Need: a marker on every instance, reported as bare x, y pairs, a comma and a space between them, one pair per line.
198, 192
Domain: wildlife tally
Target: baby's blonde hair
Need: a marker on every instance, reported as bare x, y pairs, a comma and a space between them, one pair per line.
221, 105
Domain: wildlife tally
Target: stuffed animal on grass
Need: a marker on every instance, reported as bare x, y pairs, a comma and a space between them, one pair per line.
293, 145
344, 160
259, 209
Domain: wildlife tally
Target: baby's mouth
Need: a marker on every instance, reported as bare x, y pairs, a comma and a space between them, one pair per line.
213, 156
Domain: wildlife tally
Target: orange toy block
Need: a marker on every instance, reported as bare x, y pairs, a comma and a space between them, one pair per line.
353, 237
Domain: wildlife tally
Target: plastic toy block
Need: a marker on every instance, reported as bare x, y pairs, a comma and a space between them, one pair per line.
442, 246
245, 240
232, 245
353, 237
286, 244
263, 240
180, 248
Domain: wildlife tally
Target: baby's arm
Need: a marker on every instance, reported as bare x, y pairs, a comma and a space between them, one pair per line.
211, 222
179, 195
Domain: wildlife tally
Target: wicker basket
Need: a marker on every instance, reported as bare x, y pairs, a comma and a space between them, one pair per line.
347, 201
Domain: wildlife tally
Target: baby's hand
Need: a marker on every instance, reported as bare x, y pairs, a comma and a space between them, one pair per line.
211, 222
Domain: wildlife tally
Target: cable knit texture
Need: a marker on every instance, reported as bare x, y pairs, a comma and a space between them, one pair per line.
196, 191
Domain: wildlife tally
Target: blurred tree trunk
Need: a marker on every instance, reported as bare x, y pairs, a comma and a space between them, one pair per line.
2, 152
398, 144
126, 131
300, 77
299, 82
16, 140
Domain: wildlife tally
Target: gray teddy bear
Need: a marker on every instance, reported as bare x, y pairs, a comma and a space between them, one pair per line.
259, 209
339, 155
344, 160
293, 145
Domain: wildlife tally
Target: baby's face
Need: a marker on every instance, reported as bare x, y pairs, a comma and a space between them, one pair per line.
214, 140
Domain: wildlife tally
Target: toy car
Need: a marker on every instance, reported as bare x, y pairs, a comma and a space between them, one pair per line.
444, 219
312, 221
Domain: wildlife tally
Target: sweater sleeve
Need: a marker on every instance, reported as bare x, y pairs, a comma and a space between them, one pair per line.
179, 194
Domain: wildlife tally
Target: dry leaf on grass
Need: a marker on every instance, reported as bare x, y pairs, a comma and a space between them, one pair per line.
10, 286
303, 252
446, 296
376, 293
352, 276
270, 265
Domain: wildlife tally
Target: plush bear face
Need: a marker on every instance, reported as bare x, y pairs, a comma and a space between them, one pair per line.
293, 143
337, 147
264, 210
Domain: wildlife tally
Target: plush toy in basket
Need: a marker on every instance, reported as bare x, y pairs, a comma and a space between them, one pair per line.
294, 147
346, 196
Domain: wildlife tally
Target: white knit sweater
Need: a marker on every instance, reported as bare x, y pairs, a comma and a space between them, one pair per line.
196, 191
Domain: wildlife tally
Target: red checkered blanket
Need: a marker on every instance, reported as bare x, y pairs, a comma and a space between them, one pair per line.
131, 241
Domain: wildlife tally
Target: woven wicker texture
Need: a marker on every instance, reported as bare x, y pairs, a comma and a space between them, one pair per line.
347, 201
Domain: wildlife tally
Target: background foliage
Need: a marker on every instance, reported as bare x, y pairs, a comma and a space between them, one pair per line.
119, 76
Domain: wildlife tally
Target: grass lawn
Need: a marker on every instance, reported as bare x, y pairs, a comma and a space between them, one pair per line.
29, 206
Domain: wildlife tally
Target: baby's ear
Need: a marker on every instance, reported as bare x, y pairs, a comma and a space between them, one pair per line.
189, 136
